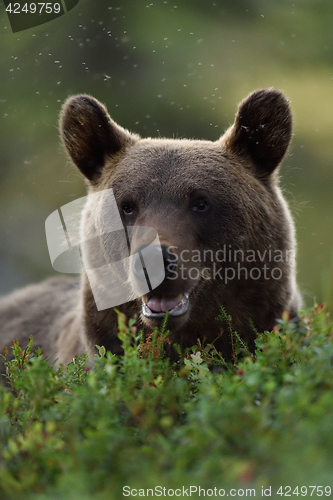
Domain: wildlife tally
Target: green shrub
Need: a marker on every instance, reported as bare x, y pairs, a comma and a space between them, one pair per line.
262, 420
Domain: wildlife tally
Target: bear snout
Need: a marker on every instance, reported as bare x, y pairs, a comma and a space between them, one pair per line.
170, 262
172, 295
151, 260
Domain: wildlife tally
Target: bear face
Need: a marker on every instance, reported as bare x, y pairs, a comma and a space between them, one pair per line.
226, 234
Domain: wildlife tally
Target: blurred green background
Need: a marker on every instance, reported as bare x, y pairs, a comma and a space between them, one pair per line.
165, 68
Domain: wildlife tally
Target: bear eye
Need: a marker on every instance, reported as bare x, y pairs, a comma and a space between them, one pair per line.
127, 209
200, 206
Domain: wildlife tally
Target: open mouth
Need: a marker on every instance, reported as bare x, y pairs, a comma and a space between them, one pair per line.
156, 307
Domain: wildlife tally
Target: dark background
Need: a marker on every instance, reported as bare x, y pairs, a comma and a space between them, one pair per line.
164, 68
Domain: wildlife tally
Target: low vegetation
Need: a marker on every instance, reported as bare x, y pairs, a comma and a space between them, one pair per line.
254, 425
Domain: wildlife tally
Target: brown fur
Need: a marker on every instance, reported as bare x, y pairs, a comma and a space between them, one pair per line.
198, 195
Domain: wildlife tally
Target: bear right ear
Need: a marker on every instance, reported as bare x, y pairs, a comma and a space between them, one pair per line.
90, 136
262, 130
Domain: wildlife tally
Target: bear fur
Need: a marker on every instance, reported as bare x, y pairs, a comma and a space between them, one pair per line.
203, 199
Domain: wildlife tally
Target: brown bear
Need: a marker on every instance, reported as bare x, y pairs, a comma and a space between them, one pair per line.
225, 235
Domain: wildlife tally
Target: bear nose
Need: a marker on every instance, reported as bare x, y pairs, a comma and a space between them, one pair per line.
152, 253
170, 261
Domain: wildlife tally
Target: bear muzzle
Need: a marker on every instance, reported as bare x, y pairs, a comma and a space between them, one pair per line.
161, 300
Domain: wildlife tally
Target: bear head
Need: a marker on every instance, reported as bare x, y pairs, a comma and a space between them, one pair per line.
211, 212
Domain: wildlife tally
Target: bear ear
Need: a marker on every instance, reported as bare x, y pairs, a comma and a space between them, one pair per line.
90, 136
262, 130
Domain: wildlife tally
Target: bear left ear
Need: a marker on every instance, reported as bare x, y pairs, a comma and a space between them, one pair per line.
262, 130
90, 136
